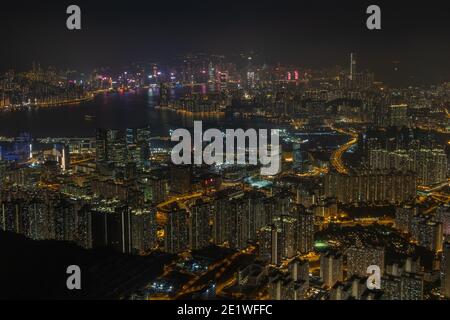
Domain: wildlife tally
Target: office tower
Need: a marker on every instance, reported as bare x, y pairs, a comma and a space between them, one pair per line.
331, 268
403, 217
138, 146
111, 226
305, 229
121, 146
199, 225
143, 140
352, 66
116, 146
211, 72
176, 230
100, 145
427, 232
143, 229
445, 271
299, 157
360, 257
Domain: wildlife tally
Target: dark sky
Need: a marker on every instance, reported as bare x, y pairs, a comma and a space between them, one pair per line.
312, 33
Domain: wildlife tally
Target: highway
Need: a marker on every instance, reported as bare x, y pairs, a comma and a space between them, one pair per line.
336, 157
162, 206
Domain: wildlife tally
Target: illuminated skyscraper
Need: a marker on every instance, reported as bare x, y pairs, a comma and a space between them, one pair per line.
305, 229
200, 228
352, 66
144, 228
176, 232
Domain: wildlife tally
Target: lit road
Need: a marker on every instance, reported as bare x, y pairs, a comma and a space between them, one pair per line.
75, 162
162, 206
217, 272
336, 157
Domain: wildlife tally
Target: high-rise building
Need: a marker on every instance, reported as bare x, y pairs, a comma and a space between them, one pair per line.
331, 268
402, 286
430, 165
427, 232
268, 246
412, 286
445, 271
180, 179
352, 66
397, 116
122, 146
305, 229
200, 227
371, 187
111, 226
144, 229
100, 145
403, 217
359, 257
176, 231
277, 241
286, 230
299, 270
443, 216
238, 217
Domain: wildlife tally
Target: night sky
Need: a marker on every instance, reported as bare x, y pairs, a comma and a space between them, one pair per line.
309, 33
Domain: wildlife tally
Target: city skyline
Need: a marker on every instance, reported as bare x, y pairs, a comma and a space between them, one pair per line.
136, 164
315, 35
